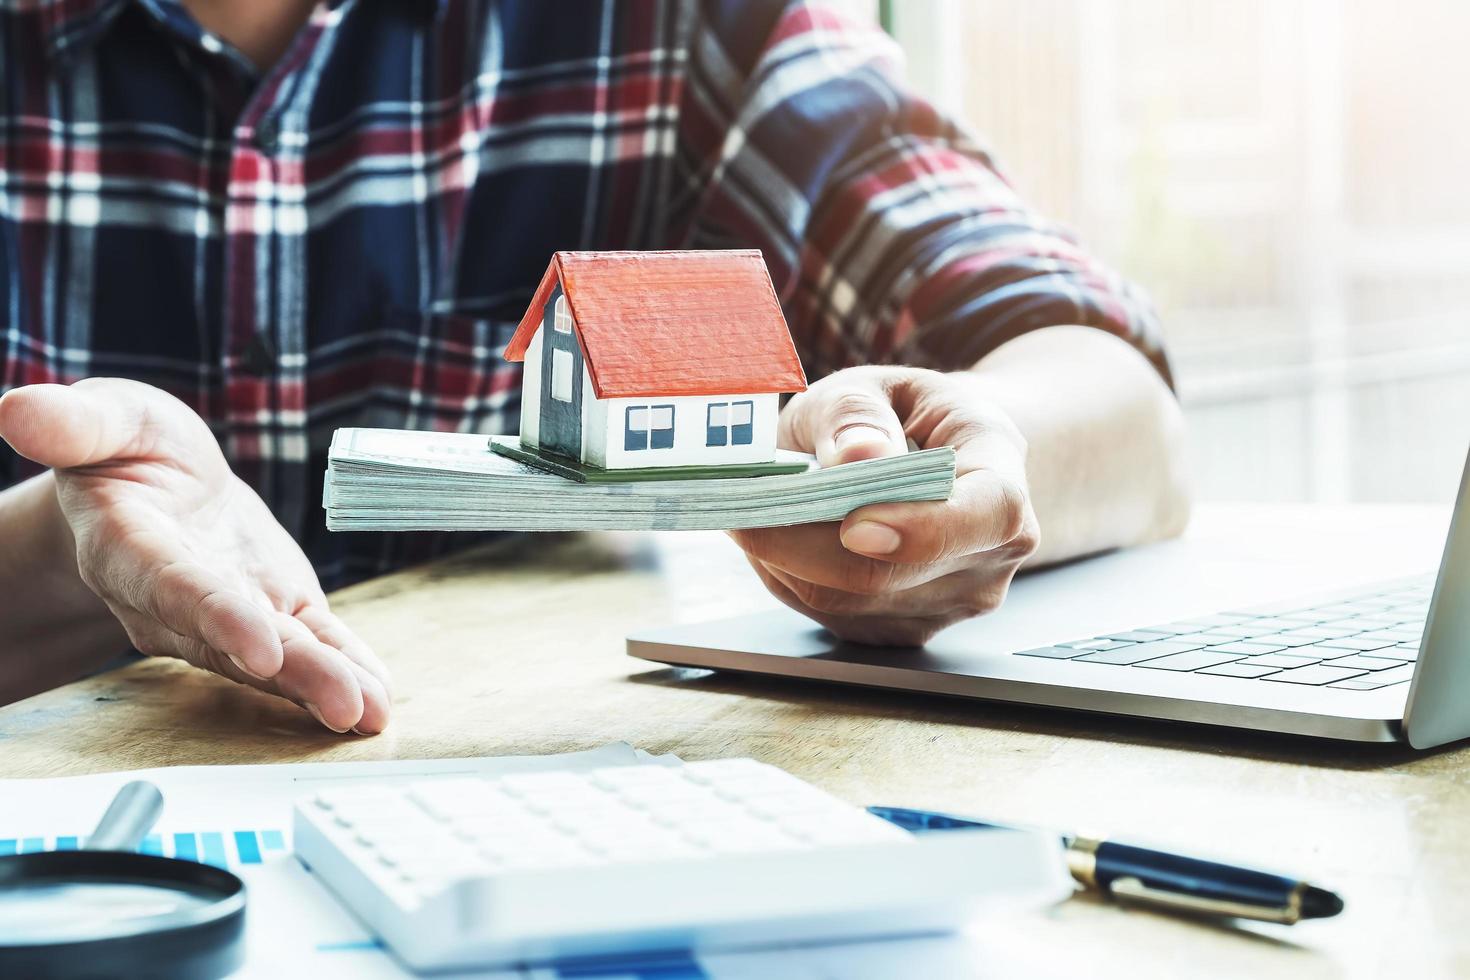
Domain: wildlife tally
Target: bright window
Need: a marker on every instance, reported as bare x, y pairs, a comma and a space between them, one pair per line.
561, 375
1281, 176
562, 318
649, 427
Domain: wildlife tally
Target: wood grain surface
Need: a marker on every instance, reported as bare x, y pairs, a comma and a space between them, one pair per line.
518, 648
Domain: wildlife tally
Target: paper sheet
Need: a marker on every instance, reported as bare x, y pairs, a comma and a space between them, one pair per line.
240, 817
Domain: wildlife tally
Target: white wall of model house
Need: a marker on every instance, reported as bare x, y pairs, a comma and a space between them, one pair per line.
531, 394
604, 423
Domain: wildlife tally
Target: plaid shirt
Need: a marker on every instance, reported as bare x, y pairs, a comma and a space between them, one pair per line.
349, 237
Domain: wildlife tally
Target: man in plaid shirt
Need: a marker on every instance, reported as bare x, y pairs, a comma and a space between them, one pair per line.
228, 227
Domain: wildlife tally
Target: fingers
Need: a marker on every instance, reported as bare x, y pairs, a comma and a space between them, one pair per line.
950, 598
989, 508
898, 572
843, 419
816, 554
63, 427
333, 632
887, 548
176, 572
376, 702
338, 692
372, 675
92, 421
875, 630
192, 601
318, 677
871, 601
986, 512
341, 694
137, 566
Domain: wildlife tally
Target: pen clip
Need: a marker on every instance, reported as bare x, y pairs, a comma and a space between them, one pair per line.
1131, 889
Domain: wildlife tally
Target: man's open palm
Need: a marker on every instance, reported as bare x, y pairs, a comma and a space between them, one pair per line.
187, 557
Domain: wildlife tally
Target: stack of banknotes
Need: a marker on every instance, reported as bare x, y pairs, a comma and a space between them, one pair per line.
395, 480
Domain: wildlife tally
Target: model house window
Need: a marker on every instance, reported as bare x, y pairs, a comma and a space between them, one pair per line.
649, 427
561, 375
729, 424
562, 318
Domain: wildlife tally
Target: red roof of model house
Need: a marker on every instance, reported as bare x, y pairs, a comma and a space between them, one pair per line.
671, 323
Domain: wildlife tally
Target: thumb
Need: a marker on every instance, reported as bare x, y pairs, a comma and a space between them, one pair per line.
847, 421
87, 423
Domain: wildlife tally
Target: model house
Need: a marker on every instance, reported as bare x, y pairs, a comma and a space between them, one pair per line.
637, 360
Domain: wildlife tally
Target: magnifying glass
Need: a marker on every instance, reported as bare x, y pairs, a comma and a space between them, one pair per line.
106, 911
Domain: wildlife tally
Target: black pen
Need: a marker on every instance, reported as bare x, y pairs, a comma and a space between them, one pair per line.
1160, 879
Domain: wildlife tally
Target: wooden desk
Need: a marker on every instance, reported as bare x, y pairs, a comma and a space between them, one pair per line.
519, 649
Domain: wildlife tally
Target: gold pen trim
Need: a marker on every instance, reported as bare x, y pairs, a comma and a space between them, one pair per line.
1133, 890
1082, 860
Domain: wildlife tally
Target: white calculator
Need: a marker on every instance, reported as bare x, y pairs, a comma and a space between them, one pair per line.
528, 868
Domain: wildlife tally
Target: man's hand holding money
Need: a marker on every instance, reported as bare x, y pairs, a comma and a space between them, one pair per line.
1058, 436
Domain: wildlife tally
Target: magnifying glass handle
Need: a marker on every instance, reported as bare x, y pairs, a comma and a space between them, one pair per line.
129, 816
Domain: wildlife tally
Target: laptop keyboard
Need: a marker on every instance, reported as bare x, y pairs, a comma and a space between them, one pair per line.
1362, 642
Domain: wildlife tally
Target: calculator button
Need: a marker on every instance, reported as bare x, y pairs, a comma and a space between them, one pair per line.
538, 783
725, 772
634, 779
775, 805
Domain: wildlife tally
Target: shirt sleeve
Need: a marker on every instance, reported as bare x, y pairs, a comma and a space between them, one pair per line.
890, 234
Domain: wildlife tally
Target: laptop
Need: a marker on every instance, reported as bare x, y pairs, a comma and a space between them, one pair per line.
1382, 662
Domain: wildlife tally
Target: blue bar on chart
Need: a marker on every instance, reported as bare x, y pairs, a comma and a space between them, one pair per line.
248, 848
185, 847
211, 847
214, 849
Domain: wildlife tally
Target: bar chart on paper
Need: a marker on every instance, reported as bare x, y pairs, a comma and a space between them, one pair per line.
236, 817
224, 849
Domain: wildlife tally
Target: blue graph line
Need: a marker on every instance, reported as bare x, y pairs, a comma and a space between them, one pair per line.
7, 846
152, 844
185, 847
65, 844
31, 845
245, 844
272, 840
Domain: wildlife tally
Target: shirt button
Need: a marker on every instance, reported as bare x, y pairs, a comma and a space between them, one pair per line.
268, 135
260, 355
